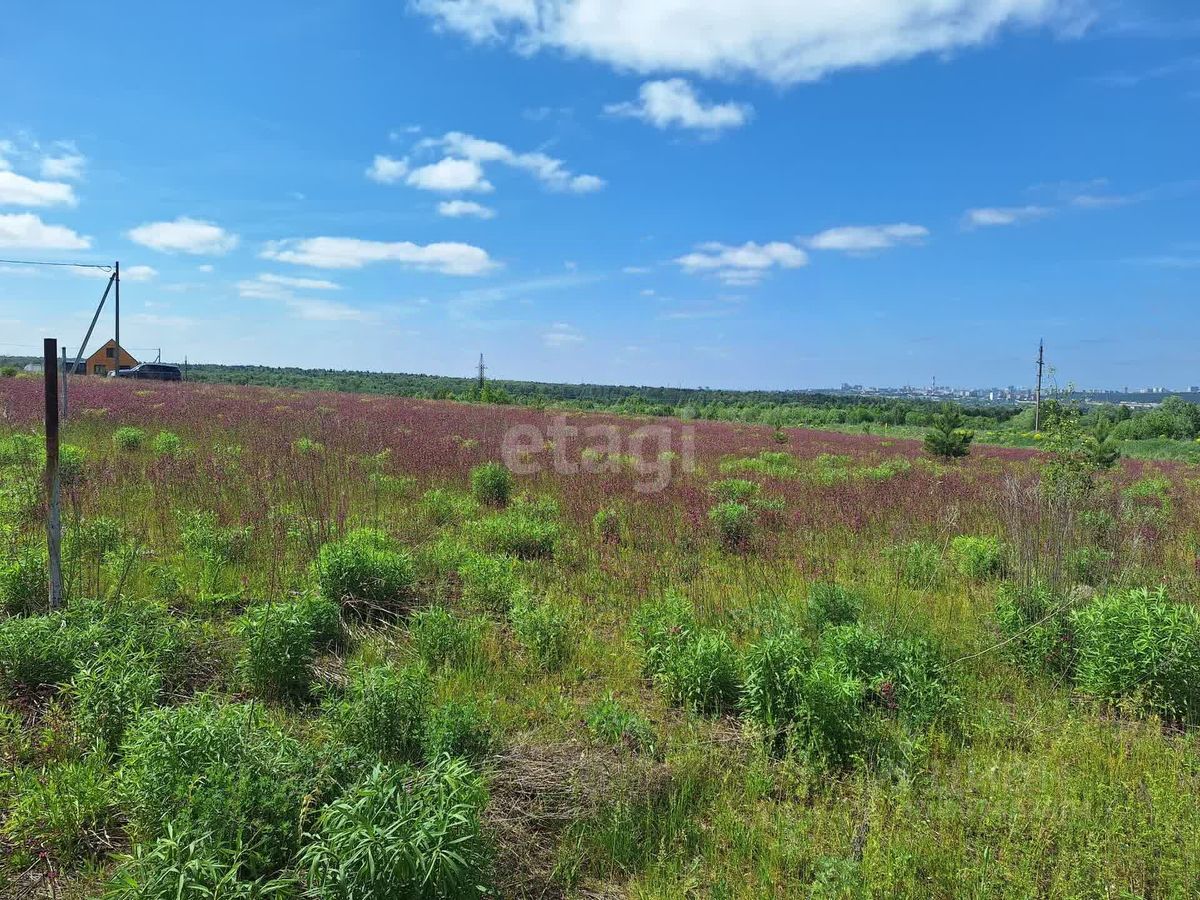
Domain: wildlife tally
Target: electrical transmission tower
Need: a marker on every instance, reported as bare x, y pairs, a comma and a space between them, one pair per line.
482, 369
1037, 397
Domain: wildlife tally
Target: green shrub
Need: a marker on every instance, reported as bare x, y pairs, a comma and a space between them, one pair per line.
1090, 565
544, 630
64, 810
184, 864
202, 537
71, 463
128, 438
1140, 647
490, 583
834, 604
109, 692
514, 534
830, 726
902, 675
458, 728
27, 451
1036, 623
365, 572
280, 642
445, 507
36, 651
735, 490
776, 669
703, 672
607, 525
658, 627
306, 446
614, 723
734, 524
167, 443
24, 585
443, 639
253, 780
919, 564
947, 438
977, 558
385, 712
400, 833
491, 484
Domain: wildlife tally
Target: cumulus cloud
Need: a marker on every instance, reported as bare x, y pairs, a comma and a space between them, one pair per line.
781, 42
449, 258
26, 231
17, 190
128, 273
450, 175
462, 167
268, 286
991, 216
184, 235
867, 238
457, 209
674, 103
65, 163
561, 335
742, 265
387, 170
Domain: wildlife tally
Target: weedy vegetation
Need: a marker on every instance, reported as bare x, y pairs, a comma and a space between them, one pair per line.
323, 645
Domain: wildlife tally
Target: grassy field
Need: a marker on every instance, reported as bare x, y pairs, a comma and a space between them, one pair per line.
326, 645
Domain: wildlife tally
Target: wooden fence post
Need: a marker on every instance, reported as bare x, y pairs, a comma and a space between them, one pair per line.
54, 517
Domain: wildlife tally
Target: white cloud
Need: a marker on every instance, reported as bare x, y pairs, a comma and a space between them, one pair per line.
387, 170
267, 286
317, 310
17, 190
551, 172
456, 209
184, 235
28, 232
449, 258
782, 42
450, 175
742, 265
674, 102
865, 238
561, 335
68, 164
207, 267
128, 273
304, 284
990, 216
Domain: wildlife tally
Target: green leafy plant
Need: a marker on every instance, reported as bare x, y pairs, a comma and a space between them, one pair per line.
442, 639
402, 833
834, 604
365, 572
544, 630
280, 642
255, 780
65, 809
129, 438
702, 671
36, 651
733, 522
491, 484
515, 534
459, 728
385, 711
109, 692
445, 507
608, 525
490, 583
977, 558
614, 723
735, 490
167, 443
918, 563
24, 587
1139, 646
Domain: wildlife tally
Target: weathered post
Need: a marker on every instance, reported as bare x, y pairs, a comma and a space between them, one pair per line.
64, 383
54, 516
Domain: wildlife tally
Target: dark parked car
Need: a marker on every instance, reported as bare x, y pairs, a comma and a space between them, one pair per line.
151, 371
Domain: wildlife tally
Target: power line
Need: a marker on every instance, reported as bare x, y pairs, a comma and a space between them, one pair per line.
37, 262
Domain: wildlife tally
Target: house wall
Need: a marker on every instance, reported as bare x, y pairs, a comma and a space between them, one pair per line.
106, 357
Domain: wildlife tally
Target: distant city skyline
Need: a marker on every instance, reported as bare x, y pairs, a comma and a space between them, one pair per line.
778, 198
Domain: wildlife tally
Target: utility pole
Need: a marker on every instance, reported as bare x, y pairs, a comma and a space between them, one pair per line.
117, 302
1037, 397
482, 369
54, 516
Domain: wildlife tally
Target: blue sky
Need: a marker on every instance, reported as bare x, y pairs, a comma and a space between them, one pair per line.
748, 194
